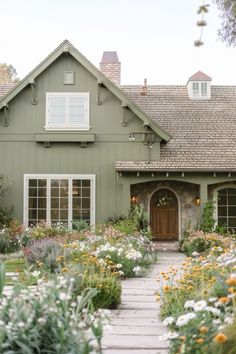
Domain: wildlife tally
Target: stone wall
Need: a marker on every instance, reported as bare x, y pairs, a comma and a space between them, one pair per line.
186, 192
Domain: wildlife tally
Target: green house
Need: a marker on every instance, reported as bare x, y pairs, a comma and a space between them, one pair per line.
76, 145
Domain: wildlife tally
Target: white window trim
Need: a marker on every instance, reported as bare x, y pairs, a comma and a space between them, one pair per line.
199, 96
215, 199
63, 127
70, 177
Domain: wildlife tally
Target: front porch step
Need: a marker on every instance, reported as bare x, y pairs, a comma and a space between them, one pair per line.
167, 246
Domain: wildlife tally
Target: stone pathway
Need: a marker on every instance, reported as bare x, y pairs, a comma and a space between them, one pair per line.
136, 325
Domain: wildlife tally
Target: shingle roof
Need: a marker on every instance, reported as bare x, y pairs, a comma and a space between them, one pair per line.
203, 131
200, 76
5, 88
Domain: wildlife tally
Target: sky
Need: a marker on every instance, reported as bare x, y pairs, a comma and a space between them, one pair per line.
153, 38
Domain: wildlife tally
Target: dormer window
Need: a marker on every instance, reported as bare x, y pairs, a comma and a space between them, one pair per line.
199, 87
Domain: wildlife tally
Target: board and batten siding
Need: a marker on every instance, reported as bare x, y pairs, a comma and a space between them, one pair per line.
20, 153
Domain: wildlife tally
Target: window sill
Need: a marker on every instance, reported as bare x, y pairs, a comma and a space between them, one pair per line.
56, 128
64, 137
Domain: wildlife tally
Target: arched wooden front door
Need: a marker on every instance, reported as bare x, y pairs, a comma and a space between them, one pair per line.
164, 218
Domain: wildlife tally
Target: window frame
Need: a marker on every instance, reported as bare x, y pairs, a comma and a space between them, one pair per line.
70, 178
215, 199
67, 126
199, 93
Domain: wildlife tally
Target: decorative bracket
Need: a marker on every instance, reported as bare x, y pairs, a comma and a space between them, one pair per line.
34, 100
99, 84
5, 122
124, 106
47, 144
83, 144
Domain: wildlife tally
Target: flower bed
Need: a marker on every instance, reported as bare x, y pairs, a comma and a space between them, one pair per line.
198, 304
50, 319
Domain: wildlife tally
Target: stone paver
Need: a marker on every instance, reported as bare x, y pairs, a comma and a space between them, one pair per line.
136, 325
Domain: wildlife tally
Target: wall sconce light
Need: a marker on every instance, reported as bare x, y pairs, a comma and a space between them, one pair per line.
197, 201
131, 137
134, 199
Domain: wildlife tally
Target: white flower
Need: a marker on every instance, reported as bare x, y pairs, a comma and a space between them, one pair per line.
213, 310
41, 320
64, 296
36, 273
137, 269
212, 299
168, 321
184, 319
172, 335
195, 254
189, 304
200, 305
118, 266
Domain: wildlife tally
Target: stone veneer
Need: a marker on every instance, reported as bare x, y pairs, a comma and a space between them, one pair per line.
186, 192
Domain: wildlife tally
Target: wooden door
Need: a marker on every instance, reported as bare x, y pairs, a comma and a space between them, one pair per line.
164, 215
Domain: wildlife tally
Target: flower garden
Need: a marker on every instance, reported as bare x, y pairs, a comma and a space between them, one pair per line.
198, 301
56, 285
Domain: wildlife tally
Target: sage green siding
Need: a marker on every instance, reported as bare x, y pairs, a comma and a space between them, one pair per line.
20, 153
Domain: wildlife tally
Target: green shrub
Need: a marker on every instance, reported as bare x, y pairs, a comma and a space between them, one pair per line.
207, 223
81, 225
5, 216
109, 290
9, 242
127, 226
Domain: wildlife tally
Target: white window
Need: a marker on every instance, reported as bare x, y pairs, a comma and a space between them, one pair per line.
199, 90
195, 89
66, 199
67, 111
203, 89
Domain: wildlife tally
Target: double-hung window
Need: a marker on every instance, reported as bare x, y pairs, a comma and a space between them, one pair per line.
65, 199
67, 111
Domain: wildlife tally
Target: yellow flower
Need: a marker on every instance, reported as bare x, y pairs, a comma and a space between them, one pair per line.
64, 270
220, 338
200, 340
203, 329
166, 288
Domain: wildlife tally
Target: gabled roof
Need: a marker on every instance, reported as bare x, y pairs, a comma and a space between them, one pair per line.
200, 76
67, 47
203, 132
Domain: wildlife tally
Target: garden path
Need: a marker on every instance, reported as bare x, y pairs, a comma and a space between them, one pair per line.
135, 325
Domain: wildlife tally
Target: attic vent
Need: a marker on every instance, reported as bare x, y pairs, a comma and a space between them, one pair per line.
68, 77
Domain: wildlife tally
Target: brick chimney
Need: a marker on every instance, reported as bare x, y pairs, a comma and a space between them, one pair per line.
110, 66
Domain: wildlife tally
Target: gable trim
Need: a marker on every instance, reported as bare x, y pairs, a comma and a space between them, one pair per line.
67, 47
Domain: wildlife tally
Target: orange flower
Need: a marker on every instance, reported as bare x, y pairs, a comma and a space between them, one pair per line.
64, 270
231, 281
220, 338
183, 338
224, 300
200, 340
203, 329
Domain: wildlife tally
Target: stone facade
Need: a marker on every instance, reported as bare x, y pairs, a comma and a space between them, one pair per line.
186, 193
